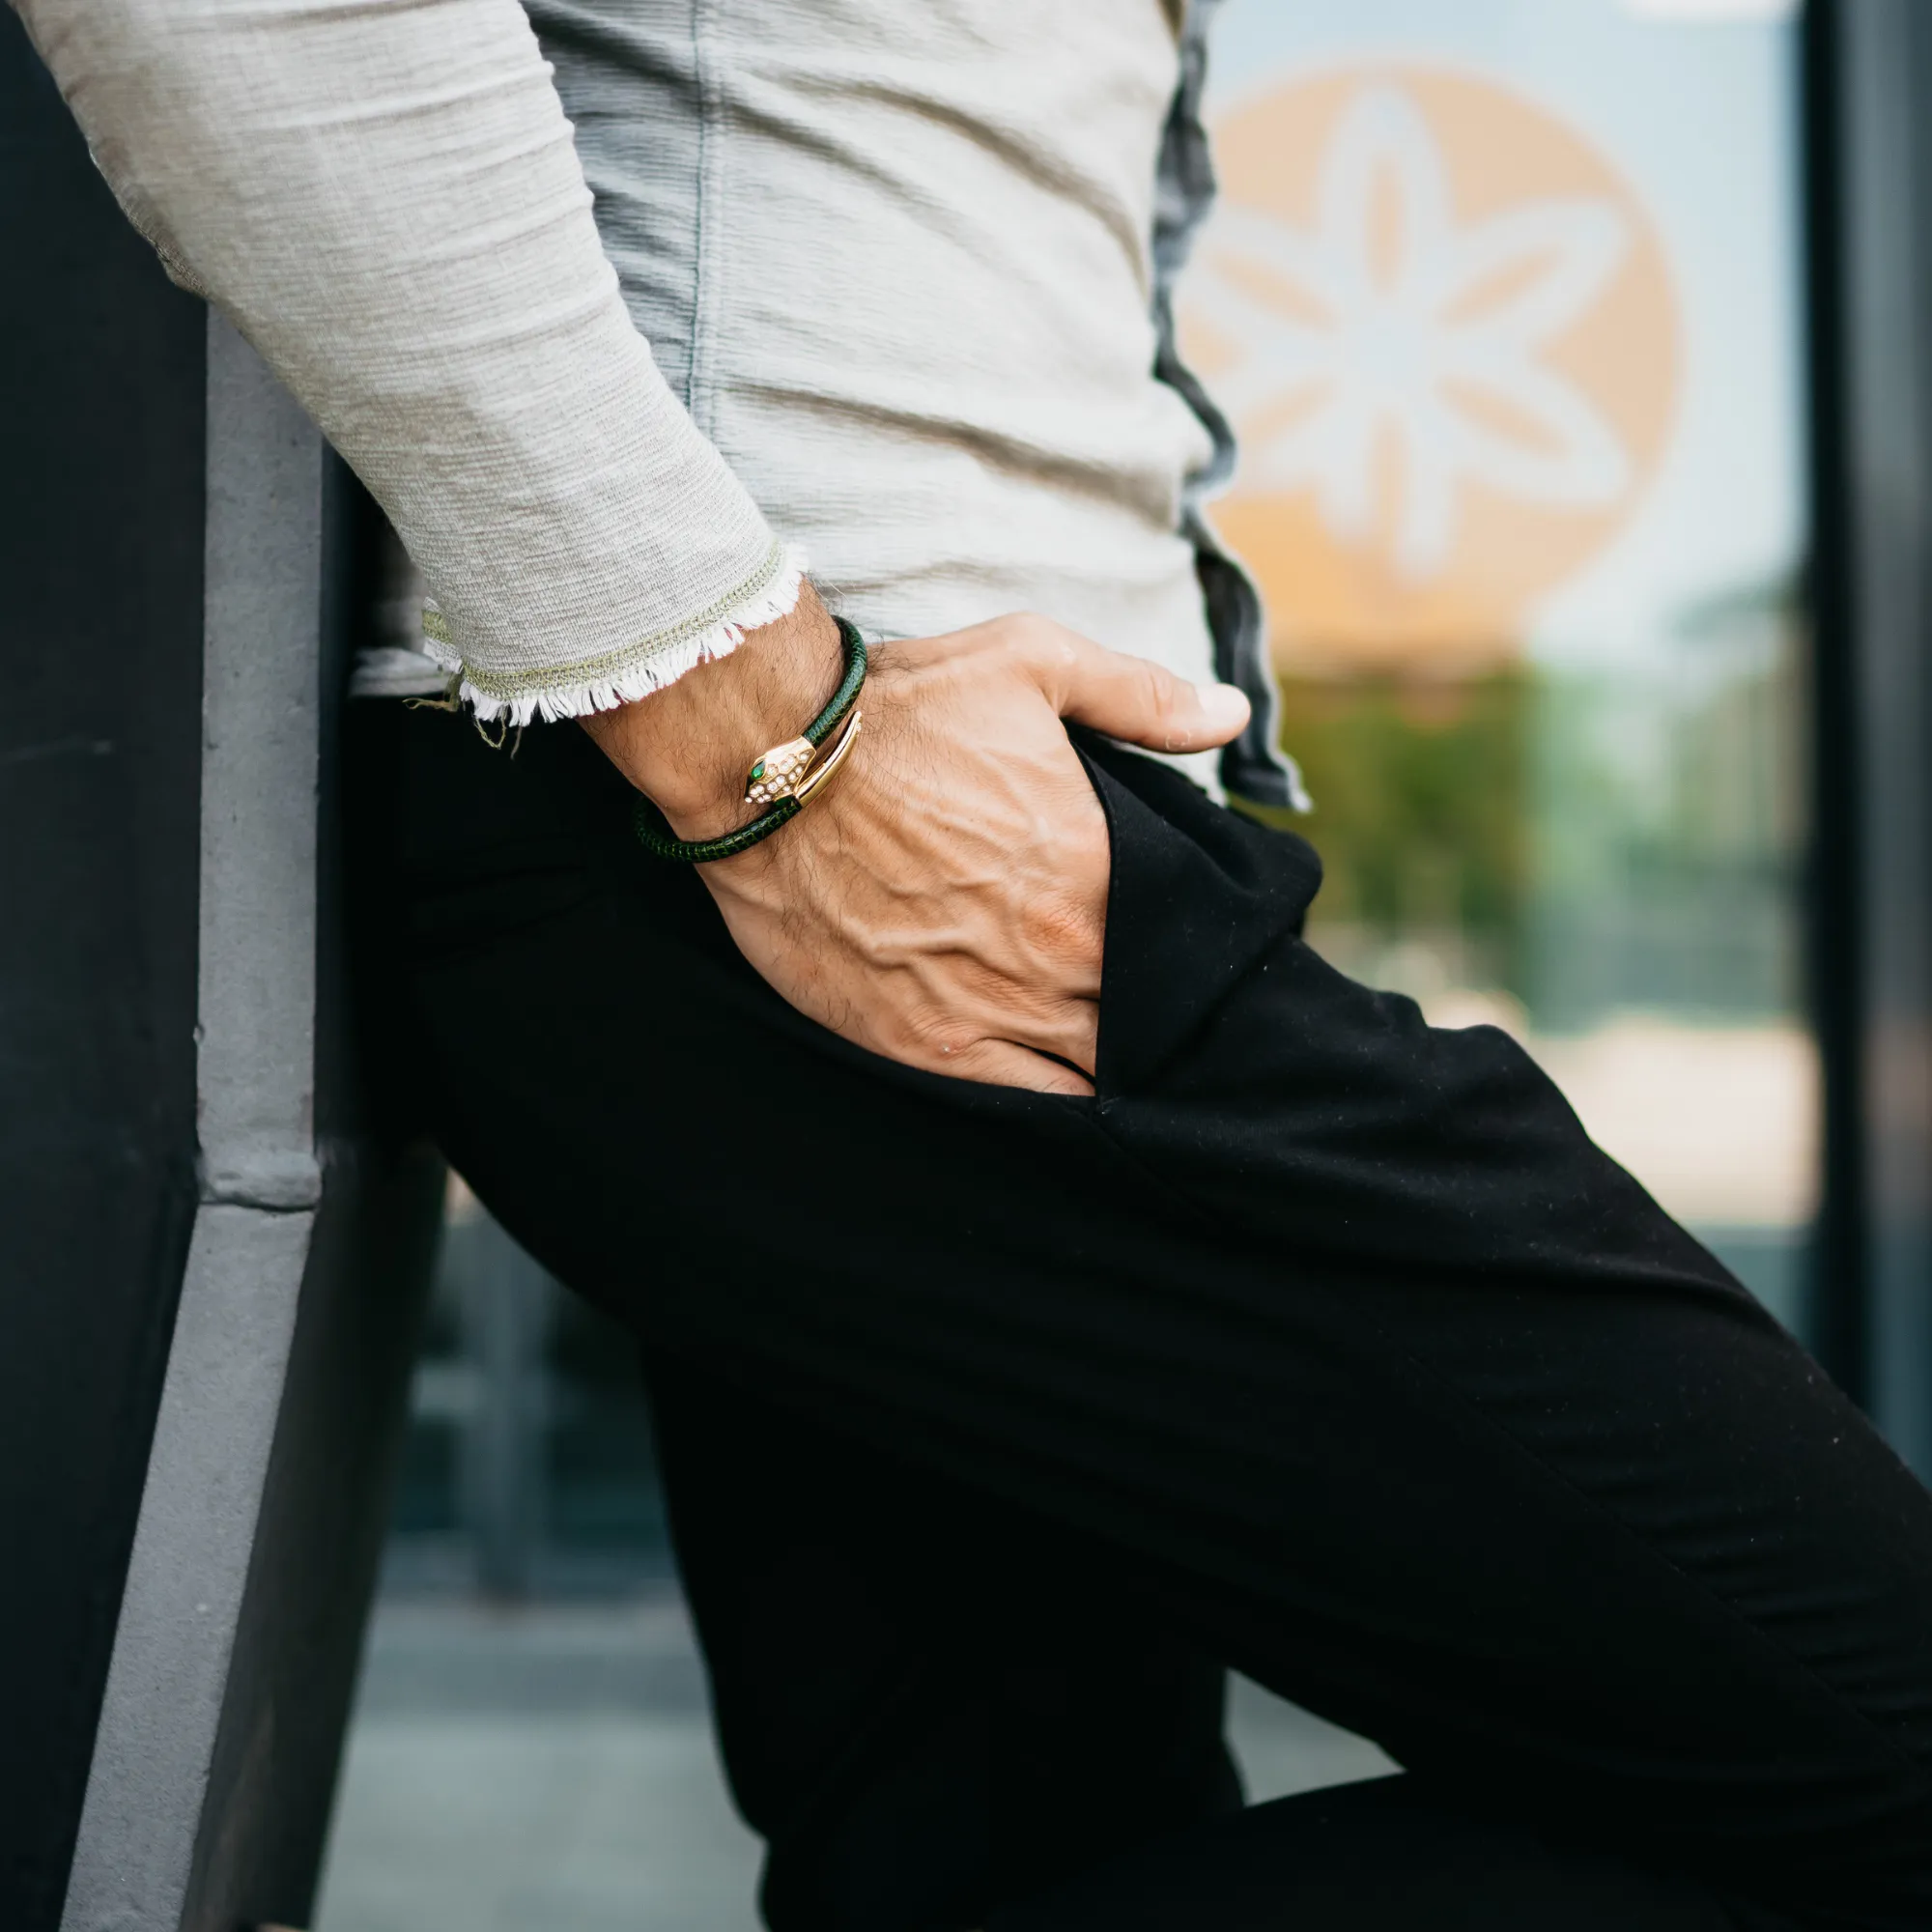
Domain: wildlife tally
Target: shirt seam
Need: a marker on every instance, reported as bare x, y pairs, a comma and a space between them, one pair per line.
597, 669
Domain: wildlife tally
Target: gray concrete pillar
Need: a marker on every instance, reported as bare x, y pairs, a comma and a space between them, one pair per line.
212, 1263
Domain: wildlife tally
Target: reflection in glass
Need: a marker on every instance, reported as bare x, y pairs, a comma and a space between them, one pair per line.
1501, 300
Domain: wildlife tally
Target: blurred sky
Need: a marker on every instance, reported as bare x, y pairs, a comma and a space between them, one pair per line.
1694, 103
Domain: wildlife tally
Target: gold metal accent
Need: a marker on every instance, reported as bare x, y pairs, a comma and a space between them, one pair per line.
779, 772
833, 758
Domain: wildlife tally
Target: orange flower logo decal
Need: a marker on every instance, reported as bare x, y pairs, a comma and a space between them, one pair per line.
1445, 332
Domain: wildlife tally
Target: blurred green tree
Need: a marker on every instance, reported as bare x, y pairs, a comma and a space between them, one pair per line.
1420, 815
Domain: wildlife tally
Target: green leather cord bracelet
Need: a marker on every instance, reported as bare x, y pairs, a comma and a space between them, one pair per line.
786, 774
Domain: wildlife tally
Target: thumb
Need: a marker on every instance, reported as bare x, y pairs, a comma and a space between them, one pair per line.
1139, 701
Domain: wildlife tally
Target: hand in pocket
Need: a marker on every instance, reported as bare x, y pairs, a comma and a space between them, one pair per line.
945, 902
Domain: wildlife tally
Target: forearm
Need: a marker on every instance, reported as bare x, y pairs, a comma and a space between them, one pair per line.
388, 202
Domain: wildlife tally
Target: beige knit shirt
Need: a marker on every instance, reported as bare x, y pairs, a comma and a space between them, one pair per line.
895, 259
384, 198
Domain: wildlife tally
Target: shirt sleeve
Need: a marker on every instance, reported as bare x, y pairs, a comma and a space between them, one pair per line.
384, 197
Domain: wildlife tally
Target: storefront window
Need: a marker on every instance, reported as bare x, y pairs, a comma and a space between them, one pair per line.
1503, 301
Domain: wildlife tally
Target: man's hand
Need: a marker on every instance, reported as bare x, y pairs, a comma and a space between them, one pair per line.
943, 901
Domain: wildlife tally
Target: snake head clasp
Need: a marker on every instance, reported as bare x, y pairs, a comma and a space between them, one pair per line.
777, 774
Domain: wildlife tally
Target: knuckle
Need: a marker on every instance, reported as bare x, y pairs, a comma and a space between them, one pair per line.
1037, 641
1160, 690
1061, 927
1076, 831
933, 1035
1006, 643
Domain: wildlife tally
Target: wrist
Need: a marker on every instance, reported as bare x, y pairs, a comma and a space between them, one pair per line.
689, 747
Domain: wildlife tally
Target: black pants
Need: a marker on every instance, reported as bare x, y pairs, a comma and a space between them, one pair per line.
1319, 1344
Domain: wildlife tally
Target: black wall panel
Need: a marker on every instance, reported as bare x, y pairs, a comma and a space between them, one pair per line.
101, 375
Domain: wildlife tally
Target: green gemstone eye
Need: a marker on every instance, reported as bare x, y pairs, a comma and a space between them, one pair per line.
758, 771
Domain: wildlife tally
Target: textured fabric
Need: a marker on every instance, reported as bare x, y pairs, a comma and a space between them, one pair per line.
1325, 1336
387, 201
926, 1704
912, 284
908, 268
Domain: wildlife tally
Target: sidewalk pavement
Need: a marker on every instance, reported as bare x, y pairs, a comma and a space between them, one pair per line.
550, 1770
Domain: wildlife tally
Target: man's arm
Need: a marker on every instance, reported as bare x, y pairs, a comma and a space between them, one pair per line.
384, 197
387, 200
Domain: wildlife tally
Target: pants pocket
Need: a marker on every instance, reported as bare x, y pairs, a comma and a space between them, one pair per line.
1197, 896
